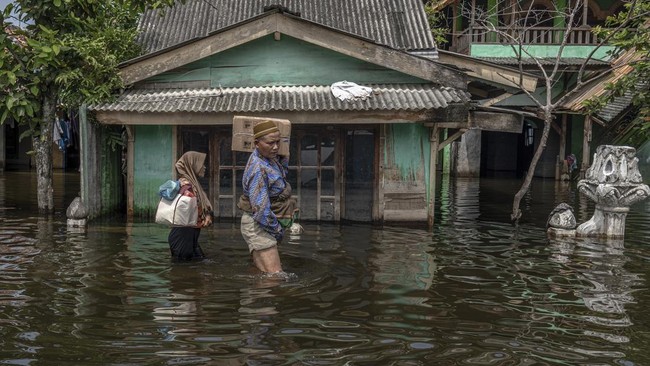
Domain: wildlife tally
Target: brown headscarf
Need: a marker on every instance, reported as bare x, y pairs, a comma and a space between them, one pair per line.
188, 167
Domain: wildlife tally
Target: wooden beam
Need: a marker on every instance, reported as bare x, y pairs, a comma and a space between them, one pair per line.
496, 121
487, 121
433, 168
561, 164
479, 69
454, 125
455, 113
319, 117
586, 138
451, 138
495, 100
130, 171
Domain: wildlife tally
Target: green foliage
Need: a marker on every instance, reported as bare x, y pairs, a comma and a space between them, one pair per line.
437, 21
69, 48
633, 36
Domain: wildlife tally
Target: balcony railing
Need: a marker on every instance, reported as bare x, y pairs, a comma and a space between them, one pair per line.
525, 36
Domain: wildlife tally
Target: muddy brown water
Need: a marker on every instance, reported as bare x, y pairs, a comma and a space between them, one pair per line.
475, 291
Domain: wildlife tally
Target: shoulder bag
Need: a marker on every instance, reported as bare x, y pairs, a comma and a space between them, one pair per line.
181, 211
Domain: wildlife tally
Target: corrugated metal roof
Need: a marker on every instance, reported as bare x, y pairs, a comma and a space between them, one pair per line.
282, 98
620, 66
399, 24
550, 61
615, 107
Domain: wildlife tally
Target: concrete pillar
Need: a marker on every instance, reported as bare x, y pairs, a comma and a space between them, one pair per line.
89, 165
467, 155
434, 138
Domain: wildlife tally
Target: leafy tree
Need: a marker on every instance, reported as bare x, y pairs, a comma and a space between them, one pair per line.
66, 54
634, 42
437, 20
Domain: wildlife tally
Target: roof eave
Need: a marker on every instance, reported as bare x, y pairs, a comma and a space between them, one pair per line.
354, 46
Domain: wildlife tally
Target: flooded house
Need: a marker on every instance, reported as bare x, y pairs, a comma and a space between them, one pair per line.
362, 157
493, 30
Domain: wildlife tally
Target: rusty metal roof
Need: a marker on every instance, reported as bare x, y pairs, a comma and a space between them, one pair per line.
283, 98
400, 24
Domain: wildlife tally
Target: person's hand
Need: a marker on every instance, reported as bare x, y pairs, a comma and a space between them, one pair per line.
207, 221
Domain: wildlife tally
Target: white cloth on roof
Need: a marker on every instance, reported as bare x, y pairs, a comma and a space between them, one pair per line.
349, 91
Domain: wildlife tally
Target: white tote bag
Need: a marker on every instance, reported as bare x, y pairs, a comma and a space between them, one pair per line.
182, 211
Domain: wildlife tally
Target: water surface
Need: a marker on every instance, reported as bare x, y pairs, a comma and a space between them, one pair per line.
475, 291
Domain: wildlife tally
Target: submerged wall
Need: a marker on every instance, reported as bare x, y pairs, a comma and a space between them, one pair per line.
406, 172
102, 181
154, 164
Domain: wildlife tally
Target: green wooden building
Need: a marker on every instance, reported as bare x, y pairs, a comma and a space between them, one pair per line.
363, 159
545, 34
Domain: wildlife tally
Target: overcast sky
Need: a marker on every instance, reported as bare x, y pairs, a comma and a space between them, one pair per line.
4, 3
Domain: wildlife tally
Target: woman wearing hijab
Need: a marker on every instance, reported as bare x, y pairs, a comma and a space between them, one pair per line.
184, 240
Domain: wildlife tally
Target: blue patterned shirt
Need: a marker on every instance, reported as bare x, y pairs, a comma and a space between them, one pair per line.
263, 179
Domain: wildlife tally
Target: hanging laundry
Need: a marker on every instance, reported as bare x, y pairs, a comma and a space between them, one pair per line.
61, 133
572, 162
349, 91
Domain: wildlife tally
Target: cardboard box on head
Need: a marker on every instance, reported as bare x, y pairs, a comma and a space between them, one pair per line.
243, 137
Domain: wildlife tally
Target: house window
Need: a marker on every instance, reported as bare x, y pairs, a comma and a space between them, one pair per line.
230, 172
312, 174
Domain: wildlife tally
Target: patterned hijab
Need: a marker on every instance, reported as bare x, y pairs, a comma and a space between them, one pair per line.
188, 167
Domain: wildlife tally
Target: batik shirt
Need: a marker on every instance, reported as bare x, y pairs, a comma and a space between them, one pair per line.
263, 179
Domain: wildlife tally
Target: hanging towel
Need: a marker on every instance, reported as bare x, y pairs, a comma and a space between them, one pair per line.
58, 135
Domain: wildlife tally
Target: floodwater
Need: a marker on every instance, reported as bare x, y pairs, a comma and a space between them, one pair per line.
475, 291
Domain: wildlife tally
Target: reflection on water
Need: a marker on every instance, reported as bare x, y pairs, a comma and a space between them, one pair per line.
475, 291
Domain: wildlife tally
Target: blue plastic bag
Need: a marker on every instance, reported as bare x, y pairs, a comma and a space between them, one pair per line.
169, 189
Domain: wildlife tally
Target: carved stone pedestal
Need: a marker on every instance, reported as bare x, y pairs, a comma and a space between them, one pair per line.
614, 183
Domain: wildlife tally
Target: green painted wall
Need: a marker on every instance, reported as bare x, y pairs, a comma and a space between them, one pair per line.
289, 61
495, 50
153, 166
410, 144
112, 188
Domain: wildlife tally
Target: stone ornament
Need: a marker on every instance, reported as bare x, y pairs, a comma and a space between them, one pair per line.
614, 183
561, 222
77, 213
562, 217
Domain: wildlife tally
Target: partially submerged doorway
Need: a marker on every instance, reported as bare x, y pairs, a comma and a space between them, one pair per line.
359, 174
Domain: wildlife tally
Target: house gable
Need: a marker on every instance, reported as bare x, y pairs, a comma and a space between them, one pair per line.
285, 61
281, 25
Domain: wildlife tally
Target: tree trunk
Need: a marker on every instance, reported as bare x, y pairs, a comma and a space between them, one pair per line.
42, 145
516, 212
